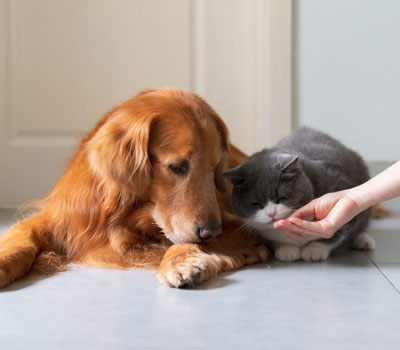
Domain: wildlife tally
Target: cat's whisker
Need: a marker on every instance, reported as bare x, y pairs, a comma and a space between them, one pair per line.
240, 228
246, 227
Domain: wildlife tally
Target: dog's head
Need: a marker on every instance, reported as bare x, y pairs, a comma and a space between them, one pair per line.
167, 147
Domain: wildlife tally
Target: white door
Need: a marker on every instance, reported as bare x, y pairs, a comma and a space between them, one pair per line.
63, 64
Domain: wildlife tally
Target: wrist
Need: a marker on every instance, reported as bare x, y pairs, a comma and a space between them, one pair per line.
362, 197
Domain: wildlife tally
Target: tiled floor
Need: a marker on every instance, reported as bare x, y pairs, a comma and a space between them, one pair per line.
349, 302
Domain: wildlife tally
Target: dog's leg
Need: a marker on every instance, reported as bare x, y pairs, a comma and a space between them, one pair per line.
187, 264
124, 251
19, 247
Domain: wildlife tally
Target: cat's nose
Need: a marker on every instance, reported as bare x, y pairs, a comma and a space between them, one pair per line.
272, 214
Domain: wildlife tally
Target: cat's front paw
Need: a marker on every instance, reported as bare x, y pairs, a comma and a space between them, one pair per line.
287, 253
364, 242
315, 251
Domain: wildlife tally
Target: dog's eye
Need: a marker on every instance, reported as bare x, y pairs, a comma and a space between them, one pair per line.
179, 168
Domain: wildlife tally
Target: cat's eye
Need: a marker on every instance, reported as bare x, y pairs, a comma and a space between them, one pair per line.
257, 205
179, 168
281, 199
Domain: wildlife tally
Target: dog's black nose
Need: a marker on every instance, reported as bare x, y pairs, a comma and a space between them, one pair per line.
207, 232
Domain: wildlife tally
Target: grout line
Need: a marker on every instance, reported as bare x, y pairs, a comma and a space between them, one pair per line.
397, 290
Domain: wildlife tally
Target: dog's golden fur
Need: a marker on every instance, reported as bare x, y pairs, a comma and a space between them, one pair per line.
120, 205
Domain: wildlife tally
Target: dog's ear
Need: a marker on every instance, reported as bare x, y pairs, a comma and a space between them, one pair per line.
219, 123
218, 177
220, 181
223, 133
236, 175
118, 152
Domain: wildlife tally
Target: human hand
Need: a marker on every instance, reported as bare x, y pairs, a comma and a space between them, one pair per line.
330, 211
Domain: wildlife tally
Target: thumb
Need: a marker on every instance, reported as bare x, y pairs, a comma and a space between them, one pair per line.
305, 211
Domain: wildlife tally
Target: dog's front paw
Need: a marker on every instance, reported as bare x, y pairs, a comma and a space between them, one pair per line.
4, 279
287, 253
315, 251
183, 274
258, 254
185, 265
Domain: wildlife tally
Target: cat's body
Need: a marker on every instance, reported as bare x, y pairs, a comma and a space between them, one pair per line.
271, 184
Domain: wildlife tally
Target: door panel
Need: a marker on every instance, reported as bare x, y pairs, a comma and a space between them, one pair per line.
63, 64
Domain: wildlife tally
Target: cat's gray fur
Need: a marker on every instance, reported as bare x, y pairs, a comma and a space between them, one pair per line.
302, 166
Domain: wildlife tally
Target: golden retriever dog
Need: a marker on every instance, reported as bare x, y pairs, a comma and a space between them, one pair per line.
145, 189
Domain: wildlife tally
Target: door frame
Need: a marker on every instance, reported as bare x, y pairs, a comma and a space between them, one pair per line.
272, 57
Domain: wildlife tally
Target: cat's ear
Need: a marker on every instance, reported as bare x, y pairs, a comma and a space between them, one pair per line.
236, 175
289, 163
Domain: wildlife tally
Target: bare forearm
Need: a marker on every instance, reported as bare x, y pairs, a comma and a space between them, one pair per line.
384, 186
333, 210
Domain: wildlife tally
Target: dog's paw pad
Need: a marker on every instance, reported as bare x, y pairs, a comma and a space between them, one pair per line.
315, 251
287, 253
364, 242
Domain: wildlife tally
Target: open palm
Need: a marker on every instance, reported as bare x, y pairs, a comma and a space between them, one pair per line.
329, 212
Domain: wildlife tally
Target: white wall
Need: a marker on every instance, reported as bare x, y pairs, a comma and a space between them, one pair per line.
347, 72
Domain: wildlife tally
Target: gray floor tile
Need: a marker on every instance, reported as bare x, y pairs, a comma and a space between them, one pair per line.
284, 306
392, 272
387, 246
343, 303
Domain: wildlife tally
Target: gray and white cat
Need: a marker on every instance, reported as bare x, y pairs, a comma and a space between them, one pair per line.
271, 184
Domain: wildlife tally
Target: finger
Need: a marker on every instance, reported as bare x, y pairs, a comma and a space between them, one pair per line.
290, 230
299, 230
287, 226
303, 212
321, 228
281, 223
309, 226
296, 236
304, 228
